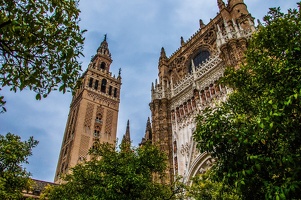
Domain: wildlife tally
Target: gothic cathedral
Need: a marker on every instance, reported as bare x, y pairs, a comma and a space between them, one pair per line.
93, 112
188, 83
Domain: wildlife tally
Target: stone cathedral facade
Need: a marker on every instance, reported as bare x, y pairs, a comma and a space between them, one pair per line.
93, 112
188, 83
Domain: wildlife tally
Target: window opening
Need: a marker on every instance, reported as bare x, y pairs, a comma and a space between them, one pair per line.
90, 82
115, 92
110, 90
98, 119
103, 65
103, 85
96, 134
199, 59
96, 85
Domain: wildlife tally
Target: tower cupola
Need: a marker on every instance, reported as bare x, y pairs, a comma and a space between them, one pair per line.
103, 49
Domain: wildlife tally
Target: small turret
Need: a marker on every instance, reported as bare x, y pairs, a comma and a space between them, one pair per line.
182, 41
163, 54
163, 67
202, 25
221, 4
232, 3
237, 8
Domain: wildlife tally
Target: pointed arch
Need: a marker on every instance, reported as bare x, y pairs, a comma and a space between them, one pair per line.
199, 165
199, 58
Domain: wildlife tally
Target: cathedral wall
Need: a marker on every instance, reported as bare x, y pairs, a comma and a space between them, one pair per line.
188, 80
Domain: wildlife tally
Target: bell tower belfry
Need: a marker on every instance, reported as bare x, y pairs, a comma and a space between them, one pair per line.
93, 112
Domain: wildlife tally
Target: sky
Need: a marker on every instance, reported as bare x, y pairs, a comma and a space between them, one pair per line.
136, 30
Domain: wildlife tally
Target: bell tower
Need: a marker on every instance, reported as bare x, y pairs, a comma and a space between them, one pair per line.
93, 112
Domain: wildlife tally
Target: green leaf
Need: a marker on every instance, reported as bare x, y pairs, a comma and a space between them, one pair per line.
38, 97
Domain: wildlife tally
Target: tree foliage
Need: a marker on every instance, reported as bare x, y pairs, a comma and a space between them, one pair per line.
13, 177
40, 42
256, 133
116, 174
203, 187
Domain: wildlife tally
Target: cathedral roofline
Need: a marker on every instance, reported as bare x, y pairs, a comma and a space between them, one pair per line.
203, 28
193, 38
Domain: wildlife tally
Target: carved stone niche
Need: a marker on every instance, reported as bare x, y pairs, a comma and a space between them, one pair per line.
173, 117
202, 170
193, 103
181, 110
196, 94
208, 163
178, 112
203, 97
216, 88
212, 90
189, 105
185, 108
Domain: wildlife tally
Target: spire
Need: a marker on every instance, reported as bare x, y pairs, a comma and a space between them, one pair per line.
127, 136
163, 57
148, 130
148, 133
126, 140
221, 4
163, 54
104, 47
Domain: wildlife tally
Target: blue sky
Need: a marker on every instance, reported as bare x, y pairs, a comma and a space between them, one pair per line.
136, 30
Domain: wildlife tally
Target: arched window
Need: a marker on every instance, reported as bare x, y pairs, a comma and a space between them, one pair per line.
96, 85
90, 82
103, 85
199, 58
110, 90
98, 118
115, 92
96, 134
103, 65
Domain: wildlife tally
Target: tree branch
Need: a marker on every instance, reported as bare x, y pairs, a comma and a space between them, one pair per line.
5, 23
